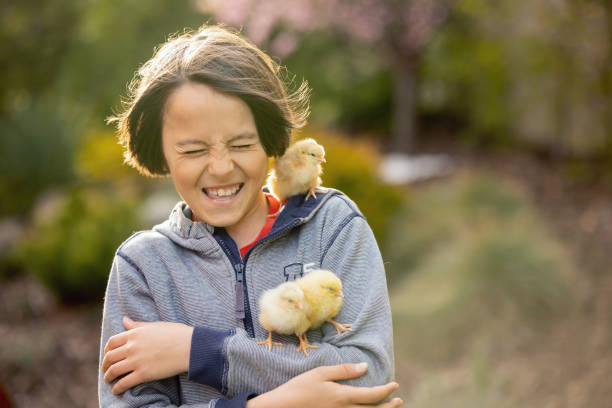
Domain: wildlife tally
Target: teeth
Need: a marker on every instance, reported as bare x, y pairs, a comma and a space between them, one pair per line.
222, 192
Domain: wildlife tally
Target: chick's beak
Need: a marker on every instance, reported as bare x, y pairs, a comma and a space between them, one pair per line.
322, 160
339, 294
298, 305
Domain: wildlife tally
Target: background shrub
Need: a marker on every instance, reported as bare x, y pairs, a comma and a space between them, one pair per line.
71, 250
37, 148
474, 266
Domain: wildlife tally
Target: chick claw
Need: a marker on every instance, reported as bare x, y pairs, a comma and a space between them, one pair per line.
269, 342
340, 328
312, 192
304, 345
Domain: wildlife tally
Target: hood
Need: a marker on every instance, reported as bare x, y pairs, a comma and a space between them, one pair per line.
198, 236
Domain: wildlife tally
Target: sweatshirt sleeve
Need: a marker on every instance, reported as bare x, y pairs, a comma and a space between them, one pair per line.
353, 254
127, 294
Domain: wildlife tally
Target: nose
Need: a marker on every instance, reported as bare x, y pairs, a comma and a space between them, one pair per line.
220, 163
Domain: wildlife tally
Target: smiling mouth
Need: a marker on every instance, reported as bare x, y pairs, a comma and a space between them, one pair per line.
223, 193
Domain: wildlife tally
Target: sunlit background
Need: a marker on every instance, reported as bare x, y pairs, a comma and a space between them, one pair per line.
475, 135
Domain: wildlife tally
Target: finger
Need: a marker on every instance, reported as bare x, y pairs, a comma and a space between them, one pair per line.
113, 356
130, 324
341, 371
370, 395
126, 383
115, 341
117, 370
394, 403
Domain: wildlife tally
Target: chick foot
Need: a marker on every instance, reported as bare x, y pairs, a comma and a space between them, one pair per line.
340, 328
304, 344
312, 192
269, 342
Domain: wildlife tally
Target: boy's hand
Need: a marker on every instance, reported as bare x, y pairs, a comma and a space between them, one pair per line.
317, 388
146, 352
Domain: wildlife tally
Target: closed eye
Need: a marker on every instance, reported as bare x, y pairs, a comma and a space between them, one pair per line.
242, 147
194, 152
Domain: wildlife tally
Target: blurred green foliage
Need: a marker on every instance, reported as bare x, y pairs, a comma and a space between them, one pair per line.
101, 160
37, 148
467, 254
35, 38
351, 166
68, 64
351, 90
536, 74
114, 39
70, 247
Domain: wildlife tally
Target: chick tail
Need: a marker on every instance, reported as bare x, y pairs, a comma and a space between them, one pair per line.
269, 342
304, 344
340, 328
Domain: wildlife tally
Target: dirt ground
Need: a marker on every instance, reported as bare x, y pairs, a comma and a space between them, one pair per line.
49, 352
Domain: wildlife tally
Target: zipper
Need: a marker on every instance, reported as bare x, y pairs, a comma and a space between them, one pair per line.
239, 290
242, 307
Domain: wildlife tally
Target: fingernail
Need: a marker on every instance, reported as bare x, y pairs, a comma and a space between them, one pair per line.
394, 385
361, 366
399, 401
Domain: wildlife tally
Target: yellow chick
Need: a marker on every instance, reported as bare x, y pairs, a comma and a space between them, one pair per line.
298, 171
323, 293
284, 310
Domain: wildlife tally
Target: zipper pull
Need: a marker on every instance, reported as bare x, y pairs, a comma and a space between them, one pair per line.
239, 289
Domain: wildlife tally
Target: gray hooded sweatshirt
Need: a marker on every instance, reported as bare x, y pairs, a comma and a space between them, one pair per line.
192, 273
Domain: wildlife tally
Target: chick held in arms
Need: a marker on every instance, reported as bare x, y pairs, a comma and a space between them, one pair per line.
298, 171
284, 310
298, 306
323, 293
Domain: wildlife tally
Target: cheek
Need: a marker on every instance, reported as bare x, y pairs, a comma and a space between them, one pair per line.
257, 168
184, 174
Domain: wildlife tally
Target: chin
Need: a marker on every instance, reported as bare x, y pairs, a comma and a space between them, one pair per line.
219, 220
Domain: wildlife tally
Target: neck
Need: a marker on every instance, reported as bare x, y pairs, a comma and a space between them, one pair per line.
246, 230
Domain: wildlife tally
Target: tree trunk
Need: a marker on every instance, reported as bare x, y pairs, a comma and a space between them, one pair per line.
404, 116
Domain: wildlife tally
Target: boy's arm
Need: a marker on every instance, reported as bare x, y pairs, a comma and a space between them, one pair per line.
128, 294
245, 366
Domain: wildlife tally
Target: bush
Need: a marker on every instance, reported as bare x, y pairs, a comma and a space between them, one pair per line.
100, 159
443, 214
37, 150
485, 270
352, 168
71, 250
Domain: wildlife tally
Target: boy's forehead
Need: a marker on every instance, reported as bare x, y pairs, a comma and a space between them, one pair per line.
198, 108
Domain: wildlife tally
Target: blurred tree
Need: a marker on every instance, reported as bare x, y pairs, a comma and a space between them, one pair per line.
35, 37
399, 30
37, 148
536, 74
64, 66
113, 39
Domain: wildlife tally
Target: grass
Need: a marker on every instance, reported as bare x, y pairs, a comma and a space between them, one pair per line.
475, 278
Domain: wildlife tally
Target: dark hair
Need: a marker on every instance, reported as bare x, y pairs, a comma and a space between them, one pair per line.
224, 61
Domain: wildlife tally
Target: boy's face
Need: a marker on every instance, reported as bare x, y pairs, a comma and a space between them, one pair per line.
214, 155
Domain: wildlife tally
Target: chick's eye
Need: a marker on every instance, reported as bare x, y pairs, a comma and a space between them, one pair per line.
331, 289
313, 155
